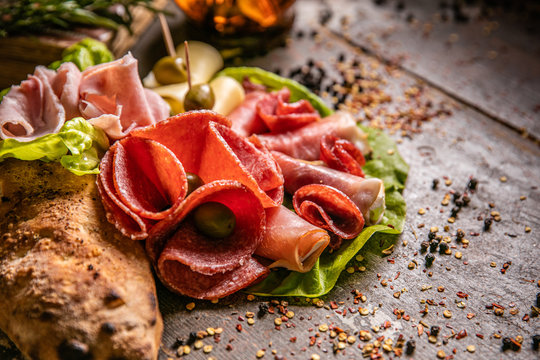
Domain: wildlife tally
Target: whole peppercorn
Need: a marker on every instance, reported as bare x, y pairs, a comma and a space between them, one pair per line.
434, 330
466, 200
433, 245
538, 299
443, 246
424, 246
459, 202
434, 184
429, 259
454, 211
410, 346
263, 309
506, 343
432, 235
472, 184
487, 223
536, 341
460, 234
192, 338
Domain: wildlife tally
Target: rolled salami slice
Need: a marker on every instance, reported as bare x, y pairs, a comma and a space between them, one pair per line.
291, 241
342, 155
304, 143
330, 209
199, 266
140, 181
367, 194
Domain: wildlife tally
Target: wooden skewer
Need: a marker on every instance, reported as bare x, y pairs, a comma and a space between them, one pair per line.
186, 51
167, 35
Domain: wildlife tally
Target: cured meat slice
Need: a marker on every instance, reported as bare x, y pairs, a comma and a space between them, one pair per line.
342, 155
113, 94
66, 87
367, 194
245, 120
330, 209
228, 155
31, 109
193, 264
291, 241
179, 278
304, 143
140, 182
204, 254
184, 134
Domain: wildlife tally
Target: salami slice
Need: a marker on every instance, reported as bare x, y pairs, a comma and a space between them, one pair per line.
196, 265
342, 155
227, 155
304, 143
291, 241
367, 194
330, 209
140, 181
179, 278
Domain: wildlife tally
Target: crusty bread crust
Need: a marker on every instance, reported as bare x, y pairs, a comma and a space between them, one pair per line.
71, 286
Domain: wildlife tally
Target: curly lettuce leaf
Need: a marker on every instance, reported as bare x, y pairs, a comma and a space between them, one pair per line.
392, 169
85, 53
77, 146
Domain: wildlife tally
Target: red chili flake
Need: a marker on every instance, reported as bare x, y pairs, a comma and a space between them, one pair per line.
420, 329
356, 301
470, 316
293, 339
229, 347
338, 312
462, 295
284, 318
239, 327
461, 334
387, 324
278, 328
406, 317
503, 271
338, 329
271, 310
380, 338
525, 317
397, 275
333, 305
351, 310
240, 318
497, 306
391, 261
480, 336
344, 312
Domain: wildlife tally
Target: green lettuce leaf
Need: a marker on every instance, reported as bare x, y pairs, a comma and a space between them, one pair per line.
85, 53
387, 166
77, 146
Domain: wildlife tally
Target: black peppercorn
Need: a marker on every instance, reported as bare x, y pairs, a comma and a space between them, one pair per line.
460, 234
434, 330
433, 245
434, 184
263, 309
431, 235
456, 196
459, 202
192, 338
466, 200
506, 343
454, 211
487, 223
536, 342
472, 184
424, 246
410, 346
538, 299
429, 259
443, 247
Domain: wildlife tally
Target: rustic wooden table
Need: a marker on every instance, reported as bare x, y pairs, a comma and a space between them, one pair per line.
458, 87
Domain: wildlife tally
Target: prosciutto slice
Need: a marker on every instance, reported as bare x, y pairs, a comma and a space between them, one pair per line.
32, 109
304, 143
245, 120
207, 268
330, 209
206, 146
291, 241
140, 182
367, 194
113, 98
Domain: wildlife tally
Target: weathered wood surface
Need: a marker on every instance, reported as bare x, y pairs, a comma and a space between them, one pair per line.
469, 142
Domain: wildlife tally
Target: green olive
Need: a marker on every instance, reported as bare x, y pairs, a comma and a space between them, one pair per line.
170, 70
199, 97
214, 219
194, 181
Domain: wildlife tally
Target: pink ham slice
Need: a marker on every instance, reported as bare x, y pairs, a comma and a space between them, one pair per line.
304, 143
330, 209
367, 194
198, 266
140, 182
113, 98
32, 109
66, 87
206, 146
290, 241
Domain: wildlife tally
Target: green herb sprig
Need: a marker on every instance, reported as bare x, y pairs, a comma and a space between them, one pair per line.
30, 17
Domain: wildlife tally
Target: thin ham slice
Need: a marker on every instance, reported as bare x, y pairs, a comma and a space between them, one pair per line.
367, 194
193, 264
291, 241
304, 143
66, 87
330, 209
32, 109
140, 182
113, 98
206, 146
